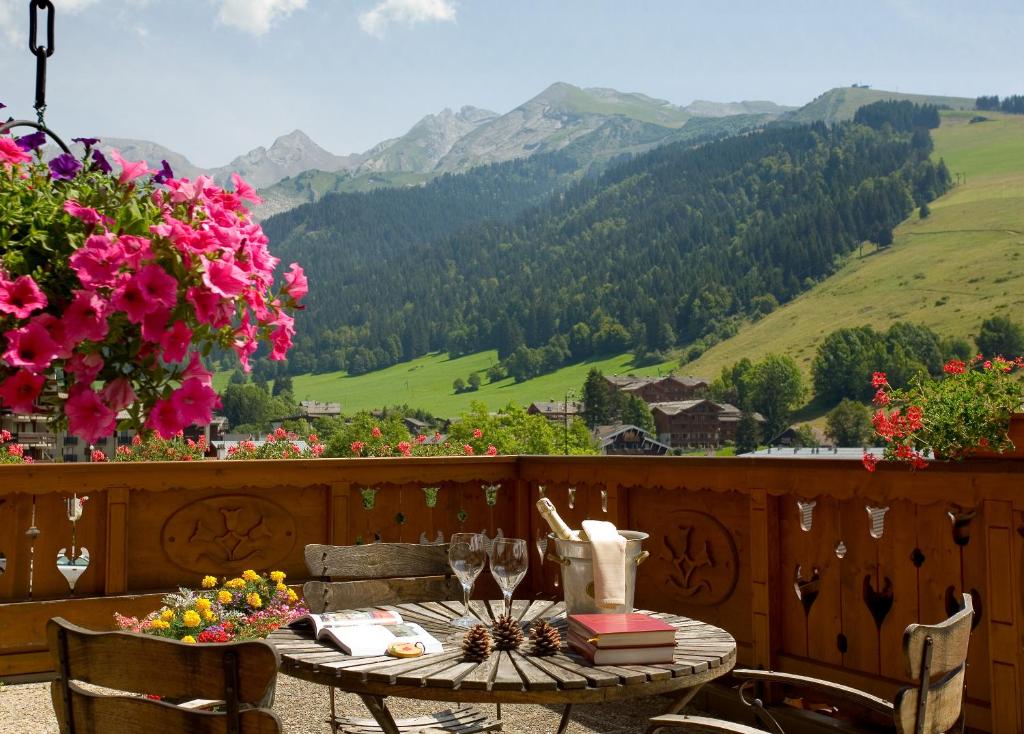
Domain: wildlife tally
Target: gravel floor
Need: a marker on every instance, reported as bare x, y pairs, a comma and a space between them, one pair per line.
26, 709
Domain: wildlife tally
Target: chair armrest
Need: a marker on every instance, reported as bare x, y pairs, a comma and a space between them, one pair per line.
829, 691
700, 725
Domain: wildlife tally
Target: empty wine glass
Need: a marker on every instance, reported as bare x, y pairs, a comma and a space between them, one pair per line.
467, 555
510, 558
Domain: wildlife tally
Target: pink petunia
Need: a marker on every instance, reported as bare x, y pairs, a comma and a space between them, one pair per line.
154, 324
195, 370
149, 290
175, 342
224, 278
89, 417
19, 392
244, 190
164, 419
195, 402
85, 213
296, 284
31, 346
21, 297
11, 153
97, 263
130, 170
118, 393
85, 318
85, 367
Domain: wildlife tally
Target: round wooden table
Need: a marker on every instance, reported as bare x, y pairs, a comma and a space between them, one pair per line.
703, 653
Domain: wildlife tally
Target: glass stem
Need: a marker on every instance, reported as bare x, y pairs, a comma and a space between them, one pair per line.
508, 603
465, 598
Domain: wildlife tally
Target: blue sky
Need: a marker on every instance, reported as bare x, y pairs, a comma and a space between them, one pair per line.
215, 78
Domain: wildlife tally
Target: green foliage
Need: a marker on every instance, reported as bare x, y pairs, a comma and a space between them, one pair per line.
1000, 336
459, 385
599, 400
748, 433
849, 423
776, 389
473, 382
901, 115
675, 245
250, 404
340, 434
969, 408
805, 437
732, 384
154, 448
513, 431
924, 211
635, 412
846, 358
283, 384
281, 444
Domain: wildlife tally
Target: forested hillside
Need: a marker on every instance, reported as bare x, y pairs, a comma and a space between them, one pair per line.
671, 248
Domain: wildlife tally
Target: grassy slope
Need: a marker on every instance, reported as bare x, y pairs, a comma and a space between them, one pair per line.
839, 104
427, 383
970, 251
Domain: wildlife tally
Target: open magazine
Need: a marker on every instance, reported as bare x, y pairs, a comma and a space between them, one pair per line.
367, 633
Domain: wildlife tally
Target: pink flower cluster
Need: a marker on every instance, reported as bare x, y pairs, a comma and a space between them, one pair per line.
202, 274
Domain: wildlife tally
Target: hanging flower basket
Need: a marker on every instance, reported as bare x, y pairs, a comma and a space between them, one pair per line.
116, 280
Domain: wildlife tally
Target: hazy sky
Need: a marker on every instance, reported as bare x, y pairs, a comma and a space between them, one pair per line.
215, 78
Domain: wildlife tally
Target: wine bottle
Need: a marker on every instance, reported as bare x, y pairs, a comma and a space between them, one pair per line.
558, 527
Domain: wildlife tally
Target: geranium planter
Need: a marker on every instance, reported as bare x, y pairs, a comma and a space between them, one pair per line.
1015, 434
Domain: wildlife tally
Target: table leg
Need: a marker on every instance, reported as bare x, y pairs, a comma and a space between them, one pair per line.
380, 712
563, 724
684, 698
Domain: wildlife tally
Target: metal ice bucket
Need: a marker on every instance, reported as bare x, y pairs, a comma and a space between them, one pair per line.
574, 556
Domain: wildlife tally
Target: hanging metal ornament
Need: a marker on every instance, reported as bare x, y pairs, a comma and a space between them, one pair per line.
604, 500
540, 489
32, 533
491, 493
572, 497
806, 514
840, 550
73, 565
430, 495
3, 563
877, 515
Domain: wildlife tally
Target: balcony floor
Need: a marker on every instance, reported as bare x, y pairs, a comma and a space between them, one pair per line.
26, 709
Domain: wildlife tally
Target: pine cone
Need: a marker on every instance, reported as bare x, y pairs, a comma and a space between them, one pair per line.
546, 639
508, 635
476, 645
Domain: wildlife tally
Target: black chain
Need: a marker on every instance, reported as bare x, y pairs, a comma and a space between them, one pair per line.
42, 53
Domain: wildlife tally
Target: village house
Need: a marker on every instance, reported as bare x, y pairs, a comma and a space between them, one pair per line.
628, 440
555, 411
660, 389
700, 422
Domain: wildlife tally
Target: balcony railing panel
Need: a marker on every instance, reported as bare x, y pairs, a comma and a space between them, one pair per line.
823, 589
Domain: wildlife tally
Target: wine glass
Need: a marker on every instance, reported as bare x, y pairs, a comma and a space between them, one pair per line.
510, 558
467, 554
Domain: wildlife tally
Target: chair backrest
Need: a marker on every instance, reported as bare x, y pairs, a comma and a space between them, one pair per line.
352, 576
936, 656
239, 673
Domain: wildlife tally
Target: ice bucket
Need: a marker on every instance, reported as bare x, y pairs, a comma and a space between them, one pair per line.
574, 556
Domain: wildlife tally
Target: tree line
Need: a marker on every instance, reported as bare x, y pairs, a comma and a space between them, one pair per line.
1013, 104
673, 247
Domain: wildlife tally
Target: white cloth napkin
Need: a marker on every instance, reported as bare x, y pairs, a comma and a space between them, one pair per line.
609, 554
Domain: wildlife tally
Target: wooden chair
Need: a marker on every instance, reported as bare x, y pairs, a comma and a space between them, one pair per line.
936, 657
237, 675
353, 576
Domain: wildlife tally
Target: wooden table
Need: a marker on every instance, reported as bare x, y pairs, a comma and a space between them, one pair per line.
703, 653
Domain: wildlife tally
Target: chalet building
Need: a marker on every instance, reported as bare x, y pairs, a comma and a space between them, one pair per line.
628, 440
556, 412
317, 409
31, 430
700, 422
791, 437
660, 389
415, 426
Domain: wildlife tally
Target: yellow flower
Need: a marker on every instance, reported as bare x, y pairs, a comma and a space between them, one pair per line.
282, 587
208, 616
277, 576
203, 604
250, 575
235, 583
190, 619
292, 596
224, 597
189, 639
254, 600
159, 624
167, 615
209, 582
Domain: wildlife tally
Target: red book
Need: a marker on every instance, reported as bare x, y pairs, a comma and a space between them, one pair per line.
621, 630
621, 655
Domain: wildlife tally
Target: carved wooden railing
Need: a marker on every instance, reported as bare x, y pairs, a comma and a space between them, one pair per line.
815, 566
